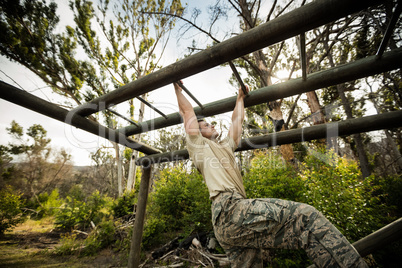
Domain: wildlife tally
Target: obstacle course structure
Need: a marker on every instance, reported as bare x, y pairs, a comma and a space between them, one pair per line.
292, 24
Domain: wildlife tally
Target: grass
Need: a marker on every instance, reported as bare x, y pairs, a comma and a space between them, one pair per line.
31, 244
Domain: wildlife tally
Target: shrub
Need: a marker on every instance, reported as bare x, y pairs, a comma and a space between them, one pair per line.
68, 244
181, 199
180, 202
336, 188
153, 233
101, 237
77, 213
124, 205
270, 177
49, 203
10, 208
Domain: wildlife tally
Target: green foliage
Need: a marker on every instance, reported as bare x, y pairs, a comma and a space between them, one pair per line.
270, 176
49, 203
180, 202
154, 231
389, 189
124, 205
78, 212
336, 188
69, 244
181, 198
7, 170
10, 209
288, 258
101, 237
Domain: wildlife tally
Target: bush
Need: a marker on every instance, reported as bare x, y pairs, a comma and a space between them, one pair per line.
101, 237
124, 205
50, 204
180, 202
336, 188
154, 231
76, 213
68, 244
270, 177
10, 209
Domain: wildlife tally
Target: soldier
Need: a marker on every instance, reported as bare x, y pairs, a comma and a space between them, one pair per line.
244, 226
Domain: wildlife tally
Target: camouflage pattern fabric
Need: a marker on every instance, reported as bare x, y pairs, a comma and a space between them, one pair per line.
244, 226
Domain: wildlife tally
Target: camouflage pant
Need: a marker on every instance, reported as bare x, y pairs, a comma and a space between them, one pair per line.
244, 226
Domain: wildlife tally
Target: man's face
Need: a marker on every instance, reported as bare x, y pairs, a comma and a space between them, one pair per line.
207, 130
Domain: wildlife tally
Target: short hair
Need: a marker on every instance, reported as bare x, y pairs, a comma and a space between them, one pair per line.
200, 120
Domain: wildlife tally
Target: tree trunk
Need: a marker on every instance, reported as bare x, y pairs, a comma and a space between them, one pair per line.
265, 73
119, 169
133, 167
132, 170
391, 142
395, 151
317, 115
361, 153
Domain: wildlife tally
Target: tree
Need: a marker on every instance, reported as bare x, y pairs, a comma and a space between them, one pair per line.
37, 170
358, 36
7, 169
118, 53
10, 208
29, 37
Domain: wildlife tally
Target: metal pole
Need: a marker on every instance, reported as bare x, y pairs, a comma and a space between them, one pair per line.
189, 93
27, 100
340, 74
390, 28
377, 240
138, 228
237, 75
152, 107
122, 116
380, 238
347, 127
303, 61
300, 20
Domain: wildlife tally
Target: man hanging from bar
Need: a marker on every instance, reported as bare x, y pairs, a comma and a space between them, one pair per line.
244, 226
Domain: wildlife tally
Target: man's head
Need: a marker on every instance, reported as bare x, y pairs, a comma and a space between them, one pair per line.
207, 130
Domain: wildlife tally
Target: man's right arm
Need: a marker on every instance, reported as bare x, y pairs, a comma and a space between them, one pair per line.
187, 112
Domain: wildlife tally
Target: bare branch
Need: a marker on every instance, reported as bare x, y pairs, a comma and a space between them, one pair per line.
184, 19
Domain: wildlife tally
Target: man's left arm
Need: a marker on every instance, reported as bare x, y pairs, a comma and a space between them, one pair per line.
235, 129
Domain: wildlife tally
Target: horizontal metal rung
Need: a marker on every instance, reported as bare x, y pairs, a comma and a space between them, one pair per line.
189, 93
152, 107
122, 116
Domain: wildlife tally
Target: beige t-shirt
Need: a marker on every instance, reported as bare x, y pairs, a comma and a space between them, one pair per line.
217, 164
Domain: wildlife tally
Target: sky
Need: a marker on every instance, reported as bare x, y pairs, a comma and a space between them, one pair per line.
207, 86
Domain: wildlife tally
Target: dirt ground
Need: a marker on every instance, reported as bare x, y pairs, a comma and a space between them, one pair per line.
31, 245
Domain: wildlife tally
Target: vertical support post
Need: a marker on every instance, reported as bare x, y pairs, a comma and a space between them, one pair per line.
135, 249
